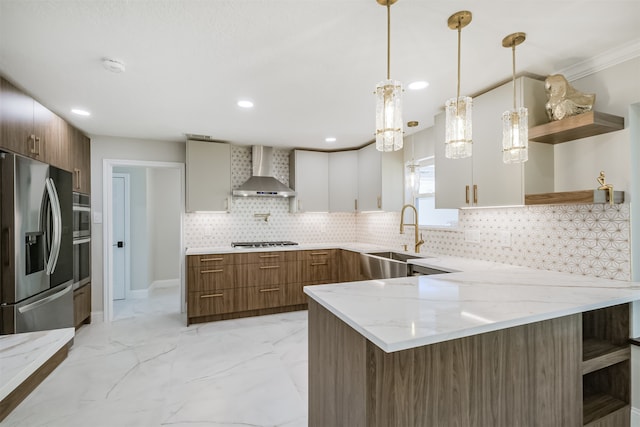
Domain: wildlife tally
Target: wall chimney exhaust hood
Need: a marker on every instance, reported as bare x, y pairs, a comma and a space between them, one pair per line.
262, 183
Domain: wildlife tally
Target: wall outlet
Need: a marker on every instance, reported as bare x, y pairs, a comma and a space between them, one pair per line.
208, 231
472, 236
504, 238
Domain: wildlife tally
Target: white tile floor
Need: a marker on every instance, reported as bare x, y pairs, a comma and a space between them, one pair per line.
148, 369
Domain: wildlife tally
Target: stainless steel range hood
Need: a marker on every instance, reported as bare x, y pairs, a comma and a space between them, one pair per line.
262, 183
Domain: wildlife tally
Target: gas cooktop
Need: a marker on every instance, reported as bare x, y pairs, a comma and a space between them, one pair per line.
262, 244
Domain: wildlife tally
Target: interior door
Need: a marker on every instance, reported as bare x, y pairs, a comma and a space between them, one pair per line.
120, 282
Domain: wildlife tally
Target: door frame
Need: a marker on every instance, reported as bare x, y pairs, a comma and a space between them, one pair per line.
127, 230
107, 241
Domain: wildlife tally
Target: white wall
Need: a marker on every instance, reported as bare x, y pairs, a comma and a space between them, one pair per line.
578, 163
105, 147
164, 214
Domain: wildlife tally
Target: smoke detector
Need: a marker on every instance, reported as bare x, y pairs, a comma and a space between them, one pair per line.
113, 65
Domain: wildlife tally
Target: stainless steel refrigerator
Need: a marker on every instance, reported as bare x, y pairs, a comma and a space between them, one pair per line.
36, 246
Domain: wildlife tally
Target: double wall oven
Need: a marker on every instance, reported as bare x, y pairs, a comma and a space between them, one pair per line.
81, 240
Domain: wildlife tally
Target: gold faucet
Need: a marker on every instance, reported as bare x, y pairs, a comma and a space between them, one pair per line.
419, 242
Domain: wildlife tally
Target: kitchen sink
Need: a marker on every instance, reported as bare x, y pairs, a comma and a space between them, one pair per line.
397, 256
387, 265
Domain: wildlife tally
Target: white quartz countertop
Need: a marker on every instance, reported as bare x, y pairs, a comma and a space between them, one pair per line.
22, 354
403, 313
356, 247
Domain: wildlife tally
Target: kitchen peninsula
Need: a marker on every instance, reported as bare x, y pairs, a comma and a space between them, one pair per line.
487, 345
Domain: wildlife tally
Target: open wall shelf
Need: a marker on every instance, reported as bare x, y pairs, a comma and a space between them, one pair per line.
576, 127
573, 197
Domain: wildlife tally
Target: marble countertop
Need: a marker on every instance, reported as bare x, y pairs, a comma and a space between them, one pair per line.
356, 247
477, 297
22, 354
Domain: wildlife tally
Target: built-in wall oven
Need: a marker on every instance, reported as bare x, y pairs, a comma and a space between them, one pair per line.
81, 239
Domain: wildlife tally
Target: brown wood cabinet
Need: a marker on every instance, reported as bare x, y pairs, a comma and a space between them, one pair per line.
29, 128
349, 266
82, 305
80, 159
221, 286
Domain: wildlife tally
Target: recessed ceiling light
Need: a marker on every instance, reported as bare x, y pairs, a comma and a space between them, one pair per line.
245, 103
330, 139
80, 112
113, 65
421, 84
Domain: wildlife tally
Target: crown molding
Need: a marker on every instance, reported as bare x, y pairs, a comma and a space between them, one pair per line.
620, 54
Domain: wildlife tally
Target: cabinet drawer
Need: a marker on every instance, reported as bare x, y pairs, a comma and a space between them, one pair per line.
317, 255
294, 294
208, 303
270, 257
210, 278
271, 273
258, 297
212, 260
322, 270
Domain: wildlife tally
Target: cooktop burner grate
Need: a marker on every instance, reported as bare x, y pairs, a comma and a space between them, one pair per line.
262, 244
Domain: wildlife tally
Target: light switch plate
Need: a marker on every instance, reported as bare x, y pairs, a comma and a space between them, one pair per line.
97, 217
472, 236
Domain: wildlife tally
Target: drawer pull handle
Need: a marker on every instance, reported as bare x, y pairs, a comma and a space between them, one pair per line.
318, 263
269, 256
266, 267
211, 296
270, 290
319, 253
211, 271
210, 259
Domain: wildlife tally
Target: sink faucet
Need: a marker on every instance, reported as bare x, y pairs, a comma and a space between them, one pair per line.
419, 242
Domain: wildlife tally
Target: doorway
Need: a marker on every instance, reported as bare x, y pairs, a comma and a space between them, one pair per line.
150, 257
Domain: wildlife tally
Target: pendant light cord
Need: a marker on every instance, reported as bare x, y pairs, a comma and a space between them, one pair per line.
459, 38
513, 49
388, 40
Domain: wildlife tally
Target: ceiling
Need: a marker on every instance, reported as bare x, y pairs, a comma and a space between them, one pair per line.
309, 66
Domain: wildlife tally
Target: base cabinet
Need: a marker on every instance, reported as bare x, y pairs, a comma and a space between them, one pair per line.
222, 286
82, 305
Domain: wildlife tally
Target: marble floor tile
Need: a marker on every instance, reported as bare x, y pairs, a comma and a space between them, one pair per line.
148, 369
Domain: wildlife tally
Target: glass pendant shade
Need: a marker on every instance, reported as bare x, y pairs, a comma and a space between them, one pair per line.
515, 135
458, 138
413, 178
389, 115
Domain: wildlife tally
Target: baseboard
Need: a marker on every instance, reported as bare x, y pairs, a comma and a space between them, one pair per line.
97, 316
138, 293
635, 417
162, 284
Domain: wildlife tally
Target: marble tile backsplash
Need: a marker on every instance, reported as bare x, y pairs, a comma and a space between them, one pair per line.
590, 240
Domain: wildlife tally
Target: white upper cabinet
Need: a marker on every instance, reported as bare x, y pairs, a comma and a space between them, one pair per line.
483, 179
208, 176
343, 181
380, 180
309, 177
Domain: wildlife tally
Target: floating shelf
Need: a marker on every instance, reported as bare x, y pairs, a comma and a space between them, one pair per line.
573, 197
598, 354
601, 405
576, 127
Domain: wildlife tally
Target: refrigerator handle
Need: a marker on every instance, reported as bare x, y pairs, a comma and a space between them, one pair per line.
57, 226
6, 247
46, 300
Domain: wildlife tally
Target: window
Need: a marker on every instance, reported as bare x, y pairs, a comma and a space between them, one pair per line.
425, 198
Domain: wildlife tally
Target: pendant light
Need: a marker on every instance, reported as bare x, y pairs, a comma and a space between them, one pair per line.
413, 183
388, 101
458, 139
515, 123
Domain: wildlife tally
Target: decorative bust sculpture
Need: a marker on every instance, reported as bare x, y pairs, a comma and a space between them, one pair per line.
565, 101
